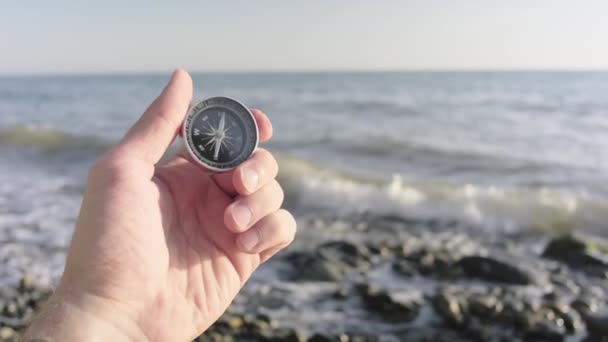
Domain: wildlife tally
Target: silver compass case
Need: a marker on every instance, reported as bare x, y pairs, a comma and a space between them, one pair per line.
220, 133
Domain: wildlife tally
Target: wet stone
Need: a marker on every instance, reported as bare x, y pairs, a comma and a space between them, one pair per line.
318, 337
584, 305
544, 332
6, 333
341, 293
485, 306
387, 306
585, 253
329, 262
404, 268
597, 325
494, 270
450, 309
285, 335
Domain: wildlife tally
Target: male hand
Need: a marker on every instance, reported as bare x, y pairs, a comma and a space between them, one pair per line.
160, 251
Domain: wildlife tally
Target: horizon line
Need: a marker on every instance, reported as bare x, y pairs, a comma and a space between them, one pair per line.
294, 71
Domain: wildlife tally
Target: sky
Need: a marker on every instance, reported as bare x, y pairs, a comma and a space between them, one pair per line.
64, 36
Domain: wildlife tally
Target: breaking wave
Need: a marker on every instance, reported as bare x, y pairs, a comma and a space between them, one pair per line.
310, 187
47, 139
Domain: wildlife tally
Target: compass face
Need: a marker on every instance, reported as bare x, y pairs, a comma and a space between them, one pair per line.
220, 133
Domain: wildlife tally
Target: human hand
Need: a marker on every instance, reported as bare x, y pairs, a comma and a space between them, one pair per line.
159, 252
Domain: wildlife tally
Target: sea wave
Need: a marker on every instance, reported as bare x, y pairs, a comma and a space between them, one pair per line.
355, 105
311, 187
48, 139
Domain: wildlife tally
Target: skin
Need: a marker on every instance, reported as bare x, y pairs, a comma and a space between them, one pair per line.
160, 251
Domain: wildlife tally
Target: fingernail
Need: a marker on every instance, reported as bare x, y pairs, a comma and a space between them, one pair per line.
241, 215
250, 178
249, 239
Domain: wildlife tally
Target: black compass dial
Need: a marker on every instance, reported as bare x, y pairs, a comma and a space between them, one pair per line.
220, 133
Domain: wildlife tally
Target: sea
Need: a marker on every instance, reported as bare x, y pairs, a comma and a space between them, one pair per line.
502, 151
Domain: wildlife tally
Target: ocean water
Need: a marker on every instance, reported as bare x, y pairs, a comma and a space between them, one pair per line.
500, 150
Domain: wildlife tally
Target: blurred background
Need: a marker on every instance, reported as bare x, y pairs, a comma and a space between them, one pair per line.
453, 124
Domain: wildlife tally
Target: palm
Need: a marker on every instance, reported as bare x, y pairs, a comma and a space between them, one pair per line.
205, 268
184, 252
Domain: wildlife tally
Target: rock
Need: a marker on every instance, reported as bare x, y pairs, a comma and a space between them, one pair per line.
286, 335
494, 270
235, 322
514, 313
597, 325
585, 305
346, 252
26, 283
544, 332
450, 309
404, 268
323, 270
341, 293
485, 306
253, 324
11, 309
586, 253
318, 337
387, 306
572, 321
7, 333
329, 262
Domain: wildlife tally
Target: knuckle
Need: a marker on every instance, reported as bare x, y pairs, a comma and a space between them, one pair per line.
260, 233
167, 116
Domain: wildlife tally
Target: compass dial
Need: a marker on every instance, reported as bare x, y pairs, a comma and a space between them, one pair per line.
220, 133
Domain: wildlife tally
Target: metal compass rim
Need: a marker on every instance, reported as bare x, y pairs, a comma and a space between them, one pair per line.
201, 107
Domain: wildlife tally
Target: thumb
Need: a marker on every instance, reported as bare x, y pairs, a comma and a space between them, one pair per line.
155, 130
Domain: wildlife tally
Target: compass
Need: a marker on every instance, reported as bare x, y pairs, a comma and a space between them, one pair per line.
220, 133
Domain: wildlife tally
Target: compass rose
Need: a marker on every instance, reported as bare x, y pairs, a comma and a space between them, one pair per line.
219, 136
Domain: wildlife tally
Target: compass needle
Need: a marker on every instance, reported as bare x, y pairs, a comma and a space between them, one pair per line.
216, 151
222, 122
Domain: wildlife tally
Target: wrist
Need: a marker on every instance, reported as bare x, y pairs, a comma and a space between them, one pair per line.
71, 316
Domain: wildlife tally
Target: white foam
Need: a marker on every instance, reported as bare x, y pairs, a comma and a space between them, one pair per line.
494, 207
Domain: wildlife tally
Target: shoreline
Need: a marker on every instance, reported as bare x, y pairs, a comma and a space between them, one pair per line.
387, 278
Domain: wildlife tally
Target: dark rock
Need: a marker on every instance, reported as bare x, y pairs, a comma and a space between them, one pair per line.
253, 324
329, 262
404, 268
490, 269
387, 306
485, 306
322, 270
515, 313
569, 318
346, 252
285, 335
11, 310
572, 321
318, 337
597, 325
586, 253
341, 293
544, 332
450, 309
585, 305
